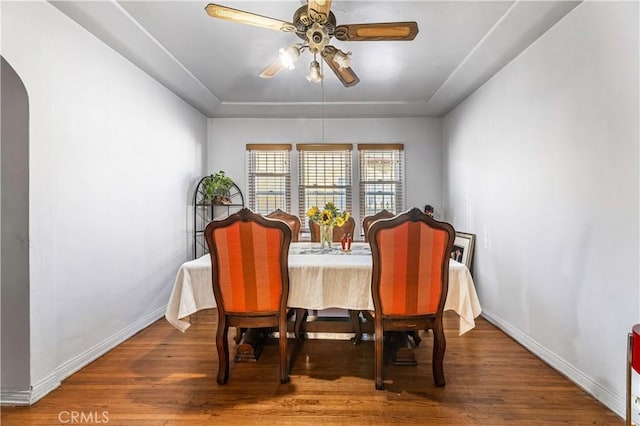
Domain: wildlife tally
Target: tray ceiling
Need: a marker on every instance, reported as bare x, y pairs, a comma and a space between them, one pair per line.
214, 64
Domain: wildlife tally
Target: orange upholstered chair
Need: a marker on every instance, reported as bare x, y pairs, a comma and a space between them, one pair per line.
250, 274
409, 282
292, 220
349, 227
368, 221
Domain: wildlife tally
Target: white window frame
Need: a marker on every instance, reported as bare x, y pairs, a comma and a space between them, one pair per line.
316, 161
386, 185
277, 157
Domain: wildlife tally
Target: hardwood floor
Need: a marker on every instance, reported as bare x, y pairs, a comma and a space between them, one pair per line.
164, 377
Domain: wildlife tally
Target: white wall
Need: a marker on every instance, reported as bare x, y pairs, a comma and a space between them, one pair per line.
113, 158
542, 164
421, 138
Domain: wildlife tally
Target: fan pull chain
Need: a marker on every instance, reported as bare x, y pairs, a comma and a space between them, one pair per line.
322, 91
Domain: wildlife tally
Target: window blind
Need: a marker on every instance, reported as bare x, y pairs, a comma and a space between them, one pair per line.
381, 178
269, 177
324, 176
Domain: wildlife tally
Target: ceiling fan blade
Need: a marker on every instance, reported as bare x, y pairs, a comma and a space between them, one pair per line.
345, 75
376, 32
318, 10
272, 69
242, 17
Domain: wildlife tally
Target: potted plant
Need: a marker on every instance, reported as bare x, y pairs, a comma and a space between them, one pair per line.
216, 188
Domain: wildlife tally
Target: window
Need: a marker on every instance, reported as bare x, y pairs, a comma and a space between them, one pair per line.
325, 175
269, 177
381, 178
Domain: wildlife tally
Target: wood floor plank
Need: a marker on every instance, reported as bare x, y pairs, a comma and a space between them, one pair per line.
164, 377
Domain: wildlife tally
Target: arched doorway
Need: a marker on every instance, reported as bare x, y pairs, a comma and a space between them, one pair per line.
14, 215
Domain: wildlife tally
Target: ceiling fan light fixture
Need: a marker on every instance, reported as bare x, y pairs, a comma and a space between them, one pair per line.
343, 59
289, 56
315, 24
315, 75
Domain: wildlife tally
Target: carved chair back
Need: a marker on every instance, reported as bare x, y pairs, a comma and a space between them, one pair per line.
292, 220
368, 221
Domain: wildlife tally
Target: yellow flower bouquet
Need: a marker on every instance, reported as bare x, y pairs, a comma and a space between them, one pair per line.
330, 215
327, 218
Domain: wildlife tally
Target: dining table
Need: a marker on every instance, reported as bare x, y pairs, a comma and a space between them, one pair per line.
319, 279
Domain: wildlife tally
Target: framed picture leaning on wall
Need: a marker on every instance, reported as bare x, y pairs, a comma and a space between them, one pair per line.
463, 249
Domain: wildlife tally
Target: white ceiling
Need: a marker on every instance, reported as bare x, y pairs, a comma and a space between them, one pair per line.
214, 64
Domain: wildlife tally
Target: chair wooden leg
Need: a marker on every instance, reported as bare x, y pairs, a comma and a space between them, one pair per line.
301, 316
222, 344
416, 337
439, 347
355, 322
379, 353
239, 332
284, 370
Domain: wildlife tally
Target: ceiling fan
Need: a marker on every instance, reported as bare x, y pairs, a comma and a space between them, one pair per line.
315, 24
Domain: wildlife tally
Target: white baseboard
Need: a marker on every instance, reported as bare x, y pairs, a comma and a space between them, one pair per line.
613, 401
66, 369
44, 386
15, 397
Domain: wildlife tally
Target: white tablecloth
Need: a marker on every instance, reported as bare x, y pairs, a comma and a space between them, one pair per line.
317, 280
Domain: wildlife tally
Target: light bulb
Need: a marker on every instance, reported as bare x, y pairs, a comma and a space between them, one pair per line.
315, 75
289, 56
343, 59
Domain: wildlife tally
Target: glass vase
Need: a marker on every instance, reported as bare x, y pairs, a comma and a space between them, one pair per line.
326, 236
